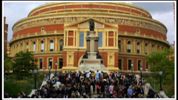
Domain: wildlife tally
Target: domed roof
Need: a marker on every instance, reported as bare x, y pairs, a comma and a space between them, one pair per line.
70, 7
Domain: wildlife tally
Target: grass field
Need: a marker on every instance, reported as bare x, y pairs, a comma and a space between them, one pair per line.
13, 86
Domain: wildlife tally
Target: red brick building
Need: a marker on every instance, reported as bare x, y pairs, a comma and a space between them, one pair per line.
56, 34
5, 36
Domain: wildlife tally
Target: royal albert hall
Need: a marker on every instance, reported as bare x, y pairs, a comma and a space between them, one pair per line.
56, 34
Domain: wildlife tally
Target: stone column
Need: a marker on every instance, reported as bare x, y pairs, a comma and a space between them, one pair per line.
92, 41
38, 48
134, 47
56, 41
46, 45
91, 45
96, 44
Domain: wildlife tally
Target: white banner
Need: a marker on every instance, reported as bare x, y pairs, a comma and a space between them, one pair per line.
42, 46
129, 46
52, 45
34, 47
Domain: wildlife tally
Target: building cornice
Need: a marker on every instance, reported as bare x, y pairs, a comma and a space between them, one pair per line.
92, 14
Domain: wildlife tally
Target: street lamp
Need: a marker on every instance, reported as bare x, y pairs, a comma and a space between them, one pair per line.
141, 74
161, 73
49, 71
56, 68
35, 77
132, 68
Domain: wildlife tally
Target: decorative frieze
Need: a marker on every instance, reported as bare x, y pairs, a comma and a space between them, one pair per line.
120, 21
134, 22
39, 22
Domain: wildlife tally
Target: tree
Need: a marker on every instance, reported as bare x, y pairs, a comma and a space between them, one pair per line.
159, 61
8, 64
24, 64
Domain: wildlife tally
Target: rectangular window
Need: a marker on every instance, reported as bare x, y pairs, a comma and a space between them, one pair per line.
70, 38
146, 48
41, 63
138, 47
128, 50
81, 39
61, 45
100, 41
119, 45
129, 64
27, 46
139, 64
60, 63
146, 65
138, 51
50, 63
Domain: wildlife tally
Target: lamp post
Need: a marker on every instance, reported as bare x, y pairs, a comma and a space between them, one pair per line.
132, 68
49, 71
141, 74
56, 68
161, 73
35, 77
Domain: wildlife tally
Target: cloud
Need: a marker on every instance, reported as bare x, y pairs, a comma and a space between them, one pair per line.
15, 11
163, 12
156, 6
165, 19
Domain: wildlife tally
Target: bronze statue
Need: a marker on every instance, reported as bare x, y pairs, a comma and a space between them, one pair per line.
91, 24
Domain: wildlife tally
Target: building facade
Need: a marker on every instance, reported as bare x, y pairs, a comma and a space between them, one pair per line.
56, 34
5, 37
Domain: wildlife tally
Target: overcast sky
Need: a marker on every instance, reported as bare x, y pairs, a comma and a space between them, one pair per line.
161, 11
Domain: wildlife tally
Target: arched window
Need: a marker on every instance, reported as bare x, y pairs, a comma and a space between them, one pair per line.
34, 46
61, 43
128, 47
138, 47
119, 45
146, 47
42, 46
51, 45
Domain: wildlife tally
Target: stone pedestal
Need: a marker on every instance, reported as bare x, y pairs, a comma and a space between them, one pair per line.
92, 62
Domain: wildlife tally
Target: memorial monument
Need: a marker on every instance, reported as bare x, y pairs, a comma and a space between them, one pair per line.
92, 60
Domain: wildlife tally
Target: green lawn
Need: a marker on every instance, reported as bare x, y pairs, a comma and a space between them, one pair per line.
13, 86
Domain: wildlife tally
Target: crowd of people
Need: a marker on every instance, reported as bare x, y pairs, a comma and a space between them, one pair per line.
92, 85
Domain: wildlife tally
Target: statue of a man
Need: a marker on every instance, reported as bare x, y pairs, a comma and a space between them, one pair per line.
91, 24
